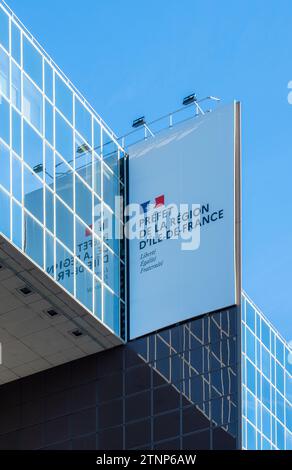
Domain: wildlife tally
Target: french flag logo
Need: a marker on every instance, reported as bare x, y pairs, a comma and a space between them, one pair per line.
159, 201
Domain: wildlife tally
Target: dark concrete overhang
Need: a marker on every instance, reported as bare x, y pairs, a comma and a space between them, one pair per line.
31, 339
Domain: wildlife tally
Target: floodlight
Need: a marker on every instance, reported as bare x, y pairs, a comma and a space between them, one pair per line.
139, 122
190, 99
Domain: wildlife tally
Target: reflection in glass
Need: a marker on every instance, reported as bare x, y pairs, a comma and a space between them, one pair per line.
96, 137
98, 257
49, 250
32, 149
110, 154
83, 201
5, 214
83, 243
4, 73
32, 62
32, 104
4, 167
111, 270
15, 42
110, 187
4, 29
84, 291
16, 86
64, 224
49, 166
83, 121
17, 224
97, 298
64, 138
16, 178
48, 81
111, 310
4, 120
83, 159
33, 194
64, 181
50, 210
64, 268
16, 132
49, 122
63, 98
96, 174
33, 240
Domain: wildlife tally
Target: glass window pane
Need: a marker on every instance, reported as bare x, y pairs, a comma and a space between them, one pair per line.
17, 224
64, 268
4, 73
98, 258
83, 121
112, 230
251, 437
49, 122
266, 362
250, 316
49, 166
4, 167
96, 174
16, 178
251, 407
250, 345
280, 406
5, 214
33, 194
49, 210
97, 298
49, 248
83, 245
4, 29
279, 350
32, 104
16, 86
4, 120
16, 132
266, 423
110, 153
63, 98
111, 310
64, 139
250, 377
83, 159
64, 181
83, 202
84, 289
15, 42
34, 240
280, 378
266, 392
32, 62
64, 224
266, 334
48, 81
110, 187
32, 149
96, 136
111, 269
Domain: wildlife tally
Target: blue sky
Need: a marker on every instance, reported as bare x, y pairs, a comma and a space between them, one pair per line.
131, 58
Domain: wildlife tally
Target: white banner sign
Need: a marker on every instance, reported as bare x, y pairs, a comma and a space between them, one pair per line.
183, 261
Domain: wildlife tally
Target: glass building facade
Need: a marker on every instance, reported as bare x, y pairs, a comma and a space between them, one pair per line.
219, 381
61, 171
266, 383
